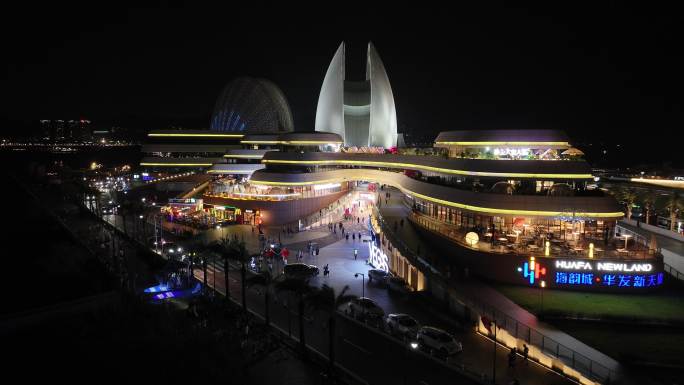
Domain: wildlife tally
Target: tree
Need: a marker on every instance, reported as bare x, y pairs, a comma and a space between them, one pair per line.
299, 288
628, 196
673, 203
325, 299
648, 200
235, 249
224, 248
265, 280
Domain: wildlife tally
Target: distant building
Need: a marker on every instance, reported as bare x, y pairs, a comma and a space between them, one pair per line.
62, 130
361, 112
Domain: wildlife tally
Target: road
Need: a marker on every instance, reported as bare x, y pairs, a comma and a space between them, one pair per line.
368, 351
365, 351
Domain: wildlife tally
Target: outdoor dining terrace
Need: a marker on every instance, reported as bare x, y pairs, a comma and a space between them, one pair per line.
538, 240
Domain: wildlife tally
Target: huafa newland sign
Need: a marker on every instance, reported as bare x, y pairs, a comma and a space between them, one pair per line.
603, 266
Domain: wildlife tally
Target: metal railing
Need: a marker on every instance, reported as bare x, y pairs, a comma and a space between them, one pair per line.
673, 272
520, 330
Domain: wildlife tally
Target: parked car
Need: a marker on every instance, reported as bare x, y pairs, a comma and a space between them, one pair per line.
364, 308
366, 238
401, 325
378, 275
397, 284
171, 249
300, 271
438, 342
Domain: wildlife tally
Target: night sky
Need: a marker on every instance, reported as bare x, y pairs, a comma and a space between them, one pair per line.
609, 73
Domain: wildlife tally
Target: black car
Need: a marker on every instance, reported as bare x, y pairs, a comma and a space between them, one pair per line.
300, 271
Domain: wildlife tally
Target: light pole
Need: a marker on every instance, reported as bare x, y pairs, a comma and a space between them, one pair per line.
413, 345
543, 285
494, 357
363, 284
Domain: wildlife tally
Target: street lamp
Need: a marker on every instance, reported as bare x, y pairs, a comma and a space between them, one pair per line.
413, 345
363, 285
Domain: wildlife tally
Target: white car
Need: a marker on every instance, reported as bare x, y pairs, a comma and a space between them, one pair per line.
363, 307
401, 325
438, 342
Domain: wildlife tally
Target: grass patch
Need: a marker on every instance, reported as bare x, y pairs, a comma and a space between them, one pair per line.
667, 304
629, 343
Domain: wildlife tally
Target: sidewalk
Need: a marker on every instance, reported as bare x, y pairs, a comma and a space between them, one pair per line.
672, 249
473, 289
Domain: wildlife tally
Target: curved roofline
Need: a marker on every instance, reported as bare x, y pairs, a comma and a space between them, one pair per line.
537, 169
494, 204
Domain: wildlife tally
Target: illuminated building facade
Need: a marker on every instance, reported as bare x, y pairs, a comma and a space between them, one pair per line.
361, 112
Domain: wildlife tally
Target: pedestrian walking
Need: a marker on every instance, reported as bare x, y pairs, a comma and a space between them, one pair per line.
356, 253
326, 271
346, 236
353, 236
526, 351
358, 220
511, 358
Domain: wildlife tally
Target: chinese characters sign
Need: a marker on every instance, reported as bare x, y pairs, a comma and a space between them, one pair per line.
608, 280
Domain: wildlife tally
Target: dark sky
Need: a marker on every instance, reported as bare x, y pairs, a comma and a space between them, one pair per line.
603, 73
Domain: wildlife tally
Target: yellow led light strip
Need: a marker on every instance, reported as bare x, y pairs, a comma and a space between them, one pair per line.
243, 156
294, 183
230, 171
311, 142
429, 168
460, 205
660, 182
506, 143
201, 135
177, 164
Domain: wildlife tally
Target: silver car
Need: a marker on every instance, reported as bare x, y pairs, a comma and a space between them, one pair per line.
438, 342
364, 308
378, 275
402, 325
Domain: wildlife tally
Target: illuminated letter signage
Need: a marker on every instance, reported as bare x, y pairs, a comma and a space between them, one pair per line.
603, 266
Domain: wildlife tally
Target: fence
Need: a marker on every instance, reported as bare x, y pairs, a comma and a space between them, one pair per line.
569, 357
673, 272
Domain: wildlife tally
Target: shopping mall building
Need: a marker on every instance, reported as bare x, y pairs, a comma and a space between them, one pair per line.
516, 206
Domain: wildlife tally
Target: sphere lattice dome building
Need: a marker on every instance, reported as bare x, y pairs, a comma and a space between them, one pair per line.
252, 105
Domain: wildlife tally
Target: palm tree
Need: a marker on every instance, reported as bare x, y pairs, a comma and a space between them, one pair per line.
265, 280
325, 299
673, 203
235, 249
299, 288
648, 199
628, 196
224, 248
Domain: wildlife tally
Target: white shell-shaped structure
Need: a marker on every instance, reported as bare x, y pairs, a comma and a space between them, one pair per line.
361, 112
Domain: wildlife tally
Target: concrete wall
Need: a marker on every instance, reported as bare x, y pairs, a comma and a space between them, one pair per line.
656, 229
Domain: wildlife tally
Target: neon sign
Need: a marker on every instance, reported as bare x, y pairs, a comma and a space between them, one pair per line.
603, 266
377, 258
532, 270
